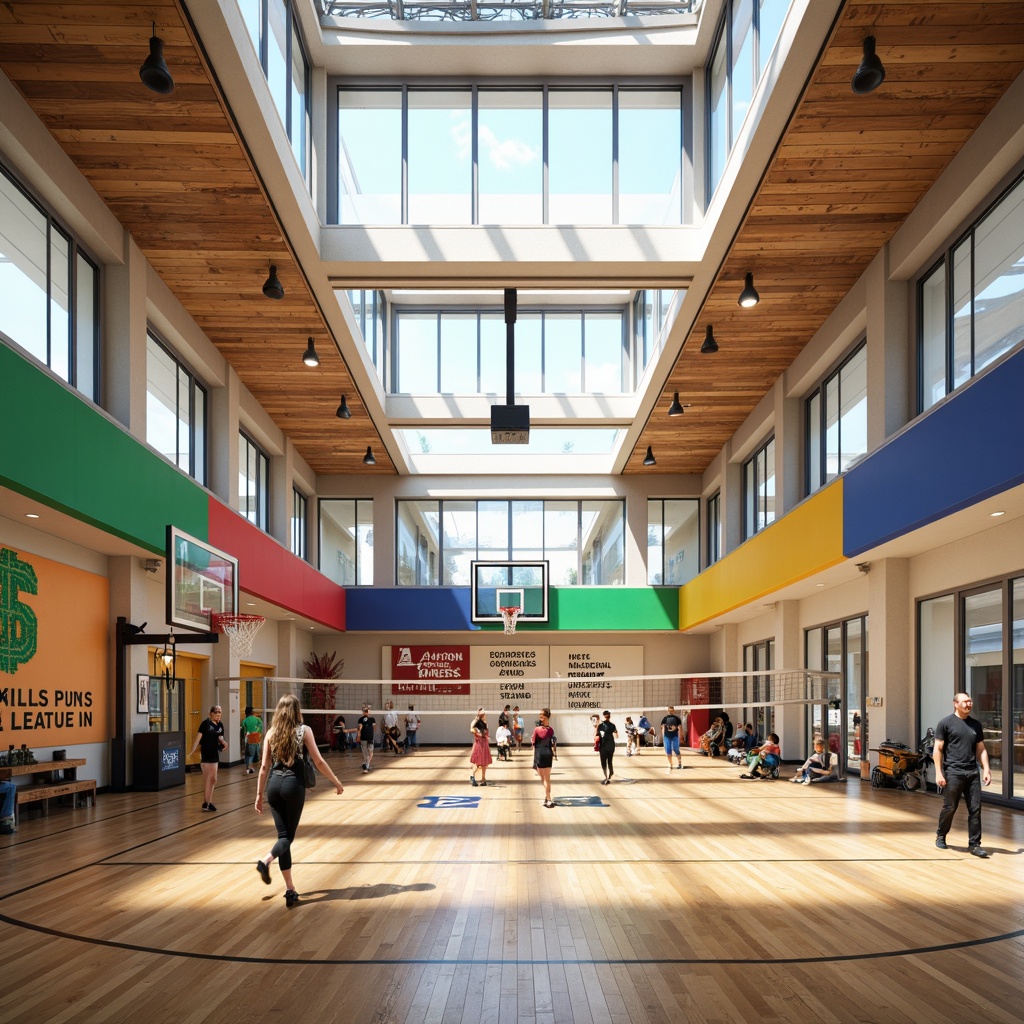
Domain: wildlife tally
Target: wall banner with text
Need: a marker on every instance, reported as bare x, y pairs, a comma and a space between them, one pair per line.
54, 633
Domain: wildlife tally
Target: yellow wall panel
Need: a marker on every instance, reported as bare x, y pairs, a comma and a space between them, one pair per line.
800, 544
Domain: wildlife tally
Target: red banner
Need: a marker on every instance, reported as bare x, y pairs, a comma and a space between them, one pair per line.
430, 664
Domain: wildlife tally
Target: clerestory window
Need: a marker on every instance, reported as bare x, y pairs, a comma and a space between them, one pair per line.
471, 154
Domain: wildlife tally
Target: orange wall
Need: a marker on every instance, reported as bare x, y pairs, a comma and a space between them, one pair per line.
59, 695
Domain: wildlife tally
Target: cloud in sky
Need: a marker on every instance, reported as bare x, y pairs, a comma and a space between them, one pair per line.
502, 154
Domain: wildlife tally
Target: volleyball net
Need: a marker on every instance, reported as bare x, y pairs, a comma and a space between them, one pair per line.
446, 707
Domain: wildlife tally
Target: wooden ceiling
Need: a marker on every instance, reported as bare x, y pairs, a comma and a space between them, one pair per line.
176, 173
847, 172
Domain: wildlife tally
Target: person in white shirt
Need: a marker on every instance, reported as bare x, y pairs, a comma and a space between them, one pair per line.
391, 730
412, 726
503, 738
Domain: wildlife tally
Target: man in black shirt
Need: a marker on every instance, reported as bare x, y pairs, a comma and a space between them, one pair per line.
364, 729
959, 749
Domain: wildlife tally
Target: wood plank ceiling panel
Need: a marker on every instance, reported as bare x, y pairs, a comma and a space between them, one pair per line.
844, 178
176, 174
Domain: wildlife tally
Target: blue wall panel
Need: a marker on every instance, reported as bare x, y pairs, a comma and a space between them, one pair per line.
399, 608
967, 449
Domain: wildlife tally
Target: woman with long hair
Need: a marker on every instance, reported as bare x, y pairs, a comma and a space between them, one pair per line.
480, 755
545, 750
282, 779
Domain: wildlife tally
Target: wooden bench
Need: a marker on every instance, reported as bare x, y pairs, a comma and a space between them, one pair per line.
45, 792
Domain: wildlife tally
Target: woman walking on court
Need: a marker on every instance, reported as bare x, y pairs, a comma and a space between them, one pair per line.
282, 779
545, 750
480, 755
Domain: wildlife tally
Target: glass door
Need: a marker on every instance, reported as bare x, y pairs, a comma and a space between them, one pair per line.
983, 670
1016, 779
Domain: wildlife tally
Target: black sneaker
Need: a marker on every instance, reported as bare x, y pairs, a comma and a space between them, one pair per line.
291, 897
209, 807
977, 851
206, 807
940, 843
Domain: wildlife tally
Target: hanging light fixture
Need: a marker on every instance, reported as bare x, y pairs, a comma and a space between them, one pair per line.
154, 73
676, 408
272, 287
368, 458
710, 345
748, 297
344, 412
871, 74
649, 459
309, 357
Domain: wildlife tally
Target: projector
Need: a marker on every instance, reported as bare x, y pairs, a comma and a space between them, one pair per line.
510, 424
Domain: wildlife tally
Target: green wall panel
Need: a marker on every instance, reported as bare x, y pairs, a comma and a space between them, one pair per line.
588, 608
59, 450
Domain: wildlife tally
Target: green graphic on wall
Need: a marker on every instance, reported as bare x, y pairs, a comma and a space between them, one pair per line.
19, 628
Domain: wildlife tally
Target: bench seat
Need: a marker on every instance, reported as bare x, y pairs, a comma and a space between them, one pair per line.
46, 791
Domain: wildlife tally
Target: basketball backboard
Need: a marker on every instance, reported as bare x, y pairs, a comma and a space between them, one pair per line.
501, 584
200, 580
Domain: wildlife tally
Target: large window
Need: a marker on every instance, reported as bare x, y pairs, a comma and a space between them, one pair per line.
842, 647
49, 290
371, 312
584, 541
346, 541
463, 352
474, 154
673, 540
300, 507
274, 30
759, 489
714, 527
253, 481
971, 303
175, 410
739, 57
973, 640
837, 421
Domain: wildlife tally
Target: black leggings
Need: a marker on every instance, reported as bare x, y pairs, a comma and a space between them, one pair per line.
286, 796
606, 760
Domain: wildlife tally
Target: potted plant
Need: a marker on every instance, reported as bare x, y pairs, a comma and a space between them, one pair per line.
321, 694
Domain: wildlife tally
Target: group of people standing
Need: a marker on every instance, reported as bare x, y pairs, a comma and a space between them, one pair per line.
543, 741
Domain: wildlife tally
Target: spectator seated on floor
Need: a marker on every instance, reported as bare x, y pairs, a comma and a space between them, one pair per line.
711, 742
763, 761
744, 740
819, 767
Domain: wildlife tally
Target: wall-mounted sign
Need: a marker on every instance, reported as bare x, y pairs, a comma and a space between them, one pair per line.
430, 663
46, 610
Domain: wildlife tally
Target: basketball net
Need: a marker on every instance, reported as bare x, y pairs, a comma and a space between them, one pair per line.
511, 616
239, 629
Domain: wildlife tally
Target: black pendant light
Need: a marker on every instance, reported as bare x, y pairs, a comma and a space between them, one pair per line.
649, 459
309, 357
154, 73
368, 458
748, 297
870, 75
344, 412
272, 287
676, 408
710, 345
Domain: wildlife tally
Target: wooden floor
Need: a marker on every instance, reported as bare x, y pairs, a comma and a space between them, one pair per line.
679, 896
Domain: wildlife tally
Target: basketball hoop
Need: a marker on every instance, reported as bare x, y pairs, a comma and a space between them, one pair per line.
510, 616
239, 629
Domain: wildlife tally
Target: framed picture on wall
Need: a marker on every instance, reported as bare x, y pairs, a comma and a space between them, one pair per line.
142, 702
